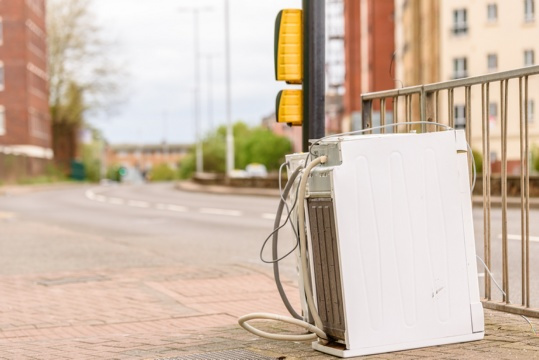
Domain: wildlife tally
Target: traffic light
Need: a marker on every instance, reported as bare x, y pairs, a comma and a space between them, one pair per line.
289, 65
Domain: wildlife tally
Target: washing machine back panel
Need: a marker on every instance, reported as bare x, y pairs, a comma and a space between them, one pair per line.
401, 240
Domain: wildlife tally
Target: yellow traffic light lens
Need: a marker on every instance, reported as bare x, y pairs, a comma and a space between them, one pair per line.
288, 46
289, 107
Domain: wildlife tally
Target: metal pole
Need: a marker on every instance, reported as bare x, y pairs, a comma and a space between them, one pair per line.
200, 164
210, 93
229, 133
314, 63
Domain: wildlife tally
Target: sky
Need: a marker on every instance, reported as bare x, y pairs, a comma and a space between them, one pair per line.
154, 40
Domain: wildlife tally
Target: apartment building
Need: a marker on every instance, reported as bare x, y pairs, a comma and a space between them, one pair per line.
25, 129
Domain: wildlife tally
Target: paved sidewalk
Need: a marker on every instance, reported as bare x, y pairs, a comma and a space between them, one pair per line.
156, 313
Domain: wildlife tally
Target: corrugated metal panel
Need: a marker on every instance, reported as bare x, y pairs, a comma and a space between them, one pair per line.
326, 266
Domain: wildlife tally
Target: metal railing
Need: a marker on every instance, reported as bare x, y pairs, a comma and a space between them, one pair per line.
423, 102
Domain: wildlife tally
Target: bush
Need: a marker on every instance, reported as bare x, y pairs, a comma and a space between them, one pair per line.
162, 172
478, 159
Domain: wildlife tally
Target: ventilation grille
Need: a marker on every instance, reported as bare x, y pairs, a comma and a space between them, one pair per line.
326, 266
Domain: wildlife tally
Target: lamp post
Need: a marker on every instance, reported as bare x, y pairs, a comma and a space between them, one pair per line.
229, 133
199, 155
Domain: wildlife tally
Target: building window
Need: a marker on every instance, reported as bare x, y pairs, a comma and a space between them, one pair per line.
529, 57
460, 68
2, 120
459, 116
529, 10
531, 110
492, 12
460, 23
492, 62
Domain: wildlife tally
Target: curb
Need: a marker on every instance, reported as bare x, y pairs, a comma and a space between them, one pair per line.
225, 190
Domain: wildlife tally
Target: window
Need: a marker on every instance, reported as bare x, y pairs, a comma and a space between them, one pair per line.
459, 116
492, 12
529, 57
529, 10
460, 24
492, 62
531, 110
460, 68
2, 120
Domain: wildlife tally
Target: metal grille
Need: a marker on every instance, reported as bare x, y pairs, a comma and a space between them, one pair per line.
223, 355
326, 266
425, 102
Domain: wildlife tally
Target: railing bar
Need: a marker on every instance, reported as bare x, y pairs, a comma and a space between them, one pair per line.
468, 106
475, 80
395, 129
522, 195
451, 108
423, 109
437, 119
487, 202
527, 167
505, 257
382, 114
409, 127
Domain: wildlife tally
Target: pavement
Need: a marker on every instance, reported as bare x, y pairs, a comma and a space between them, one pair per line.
175, 310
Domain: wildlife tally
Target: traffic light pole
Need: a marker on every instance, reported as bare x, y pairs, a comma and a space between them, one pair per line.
314, 59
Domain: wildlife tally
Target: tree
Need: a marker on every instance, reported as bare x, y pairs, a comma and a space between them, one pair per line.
82, 78
252, 145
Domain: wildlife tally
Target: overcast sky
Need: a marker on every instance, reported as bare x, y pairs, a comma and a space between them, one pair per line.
155, 41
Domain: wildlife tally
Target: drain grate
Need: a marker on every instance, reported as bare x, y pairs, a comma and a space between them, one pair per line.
224, 355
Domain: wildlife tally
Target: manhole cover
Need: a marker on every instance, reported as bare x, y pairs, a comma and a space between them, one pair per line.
224, 355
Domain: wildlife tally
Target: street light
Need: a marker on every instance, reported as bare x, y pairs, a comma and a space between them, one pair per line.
199, 159
209, 58
229, 133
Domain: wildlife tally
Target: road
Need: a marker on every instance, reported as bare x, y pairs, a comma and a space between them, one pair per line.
154, 225
133, 226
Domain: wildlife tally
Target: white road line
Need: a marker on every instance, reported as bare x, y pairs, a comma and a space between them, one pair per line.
100, 198
268, 216
517, 237
161, 206
116, 201
220, 212
481, 275
176, 208
90, 194
139, 204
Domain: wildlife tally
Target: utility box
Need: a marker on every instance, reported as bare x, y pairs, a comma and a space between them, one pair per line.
391, 243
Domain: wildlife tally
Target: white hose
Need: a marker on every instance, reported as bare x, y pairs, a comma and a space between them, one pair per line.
315, 330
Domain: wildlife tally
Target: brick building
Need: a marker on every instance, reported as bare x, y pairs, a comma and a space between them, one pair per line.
145, 157
369, 44
25, 129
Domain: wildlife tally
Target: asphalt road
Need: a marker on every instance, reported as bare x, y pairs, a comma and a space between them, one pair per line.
155, 225
133, 226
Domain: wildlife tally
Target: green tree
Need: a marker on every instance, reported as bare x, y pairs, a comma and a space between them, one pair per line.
251, 145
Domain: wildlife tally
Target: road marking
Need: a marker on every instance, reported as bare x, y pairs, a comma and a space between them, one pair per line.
139, 204
220, 212
517, 237
116, 201
481, 275
268, 216
161, 206
90, 194
100, 198
6, 216
176, 208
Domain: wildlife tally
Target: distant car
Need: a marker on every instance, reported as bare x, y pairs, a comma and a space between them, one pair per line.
256, 170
